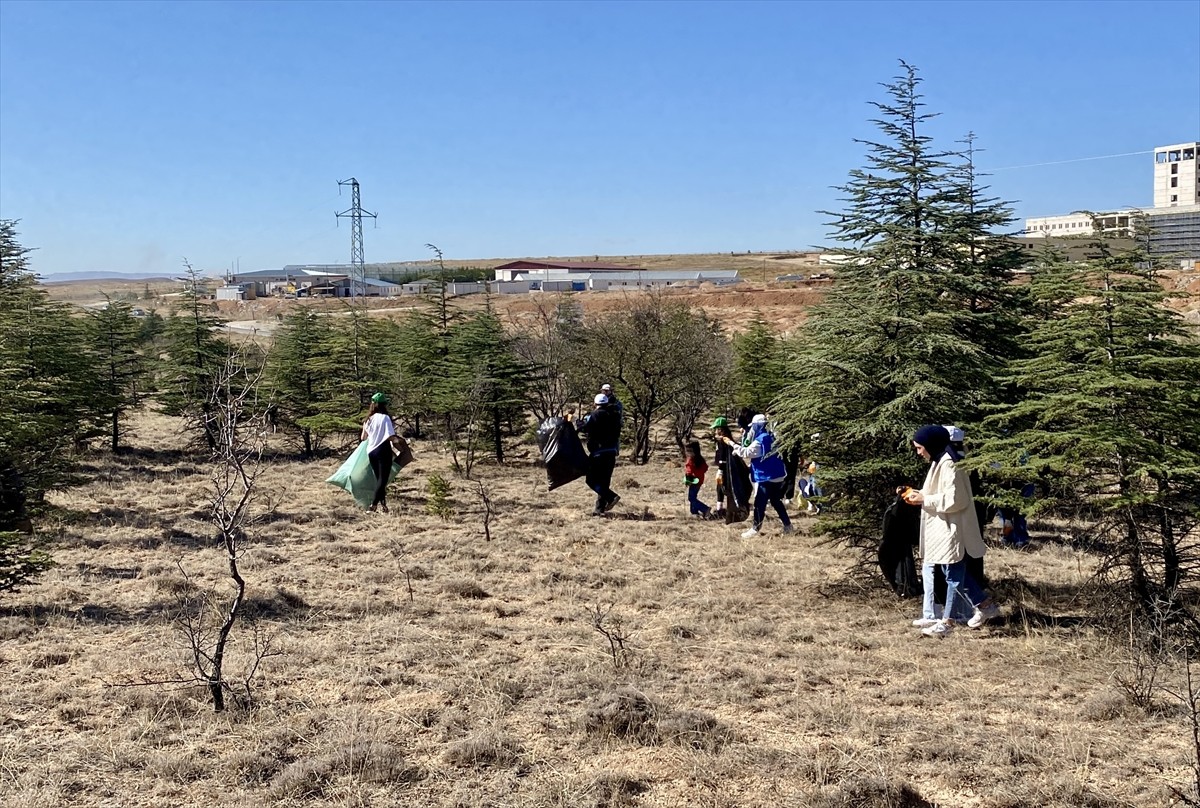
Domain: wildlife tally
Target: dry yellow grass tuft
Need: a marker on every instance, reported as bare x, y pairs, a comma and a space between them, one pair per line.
424, 666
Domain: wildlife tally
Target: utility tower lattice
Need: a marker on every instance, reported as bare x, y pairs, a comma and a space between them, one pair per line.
356, 214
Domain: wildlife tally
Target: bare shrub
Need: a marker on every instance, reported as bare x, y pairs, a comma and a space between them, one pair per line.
254, 767
176, 767
614, 790
465, 589
874, 792
488, 749
624, 713
613, 631
376, 762
1140, 679
306, 778
1104, 706
369, 762
693, 728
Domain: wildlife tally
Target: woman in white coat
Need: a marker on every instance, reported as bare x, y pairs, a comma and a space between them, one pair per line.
949, 531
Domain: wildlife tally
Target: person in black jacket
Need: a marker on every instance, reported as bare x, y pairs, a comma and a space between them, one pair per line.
603, 428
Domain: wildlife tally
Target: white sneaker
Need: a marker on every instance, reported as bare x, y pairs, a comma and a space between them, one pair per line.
750, 534
939, 629
925, 622
787, 528
983, 614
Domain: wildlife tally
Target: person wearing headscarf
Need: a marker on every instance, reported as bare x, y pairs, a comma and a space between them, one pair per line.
766, 470
378, 430
949, 532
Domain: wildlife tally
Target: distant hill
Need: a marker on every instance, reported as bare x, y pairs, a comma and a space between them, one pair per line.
99, 275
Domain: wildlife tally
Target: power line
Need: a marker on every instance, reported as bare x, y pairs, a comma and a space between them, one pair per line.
1073, 160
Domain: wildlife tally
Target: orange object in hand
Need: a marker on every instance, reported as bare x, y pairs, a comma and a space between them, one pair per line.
909, 495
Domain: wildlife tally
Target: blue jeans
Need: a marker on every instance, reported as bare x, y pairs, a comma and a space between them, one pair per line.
963, 592
773, 493
694, 503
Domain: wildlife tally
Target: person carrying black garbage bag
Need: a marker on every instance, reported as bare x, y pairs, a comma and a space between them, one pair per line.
603, 428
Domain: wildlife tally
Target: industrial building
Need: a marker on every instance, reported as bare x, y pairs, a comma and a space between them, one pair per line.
581, 276
510, 271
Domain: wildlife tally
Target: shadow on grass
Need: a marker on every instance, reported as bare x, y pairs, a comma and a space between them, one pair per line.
95, 613
645, 516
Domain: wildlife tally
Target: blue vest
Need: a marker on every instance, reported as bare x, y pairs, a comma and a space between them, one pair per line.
770, 465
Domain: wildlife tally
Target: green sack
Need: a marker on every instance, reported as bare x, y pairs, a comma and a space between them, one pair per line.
356, 476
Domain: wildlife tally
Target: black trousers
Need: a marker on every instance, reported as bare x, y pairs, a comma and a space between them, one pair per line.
772, 493
599, 476
381, 464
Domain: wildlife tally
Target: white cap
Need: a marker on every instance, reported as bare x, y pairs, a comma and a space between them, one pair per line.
601, 398
606, 388
956, 434
759, 419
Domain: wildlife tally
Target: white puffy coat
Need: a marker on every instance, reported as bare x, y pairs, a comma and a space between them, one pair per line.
949, 525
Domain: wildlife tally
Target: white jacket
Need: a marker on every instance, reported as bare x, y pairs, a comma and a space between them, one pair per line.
378, 429
949, 525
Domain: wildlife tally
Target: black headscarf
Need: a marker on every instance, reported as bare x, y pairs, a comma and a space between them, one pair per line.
936, 440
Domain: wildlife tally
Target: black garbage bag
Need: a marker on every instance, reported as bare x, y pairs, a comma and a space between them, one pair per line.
901, 532
562, 452
737, 491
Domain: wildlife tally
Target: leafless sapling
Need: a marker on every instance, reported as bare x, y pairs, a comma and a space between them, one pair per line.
613, 631
207, 621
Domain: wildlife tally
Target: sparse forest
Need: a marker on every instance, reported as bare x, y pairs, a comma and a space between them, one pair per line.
1077, 379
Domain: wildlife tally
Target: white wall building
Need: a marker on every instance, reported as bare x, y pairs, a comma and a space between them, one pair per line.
1176, 175
1077, 224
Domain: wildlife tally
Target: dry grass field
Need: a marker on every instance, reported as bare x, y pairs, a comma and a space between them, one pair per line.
424, 666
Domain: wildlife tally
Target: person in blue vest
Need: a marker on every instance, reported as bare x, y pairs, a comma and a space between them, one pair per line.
766, 470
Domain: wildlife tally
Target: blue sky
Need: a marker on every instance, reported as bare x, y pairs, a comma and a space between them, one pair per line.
134, 134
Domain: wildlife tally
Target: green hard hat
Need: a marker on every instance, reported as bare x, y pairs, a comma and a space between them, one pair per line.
379, 398
720, 422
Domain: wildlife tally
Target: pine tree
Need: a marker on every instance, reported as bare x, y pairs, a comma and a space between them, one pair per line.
115, 341
983, 266
192, 357
758, 365
898, 341
47, 386
302, 377
1109, 420
488, 380
419, 353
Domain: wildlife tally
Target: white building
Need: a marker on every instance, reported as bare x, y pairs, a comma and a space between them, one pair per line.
1077, 224
612, 280
1176, 175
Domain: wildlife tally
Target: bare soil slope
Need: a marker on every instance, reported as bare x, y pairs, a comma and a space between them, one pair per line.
424, 666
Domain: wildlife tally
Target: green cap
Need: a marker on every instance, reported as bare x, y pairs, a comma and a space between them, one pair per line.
720, 422
379, 398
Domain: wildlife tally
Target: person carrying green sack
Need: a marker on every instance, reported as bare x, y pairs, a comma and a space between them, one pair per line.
378, 431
